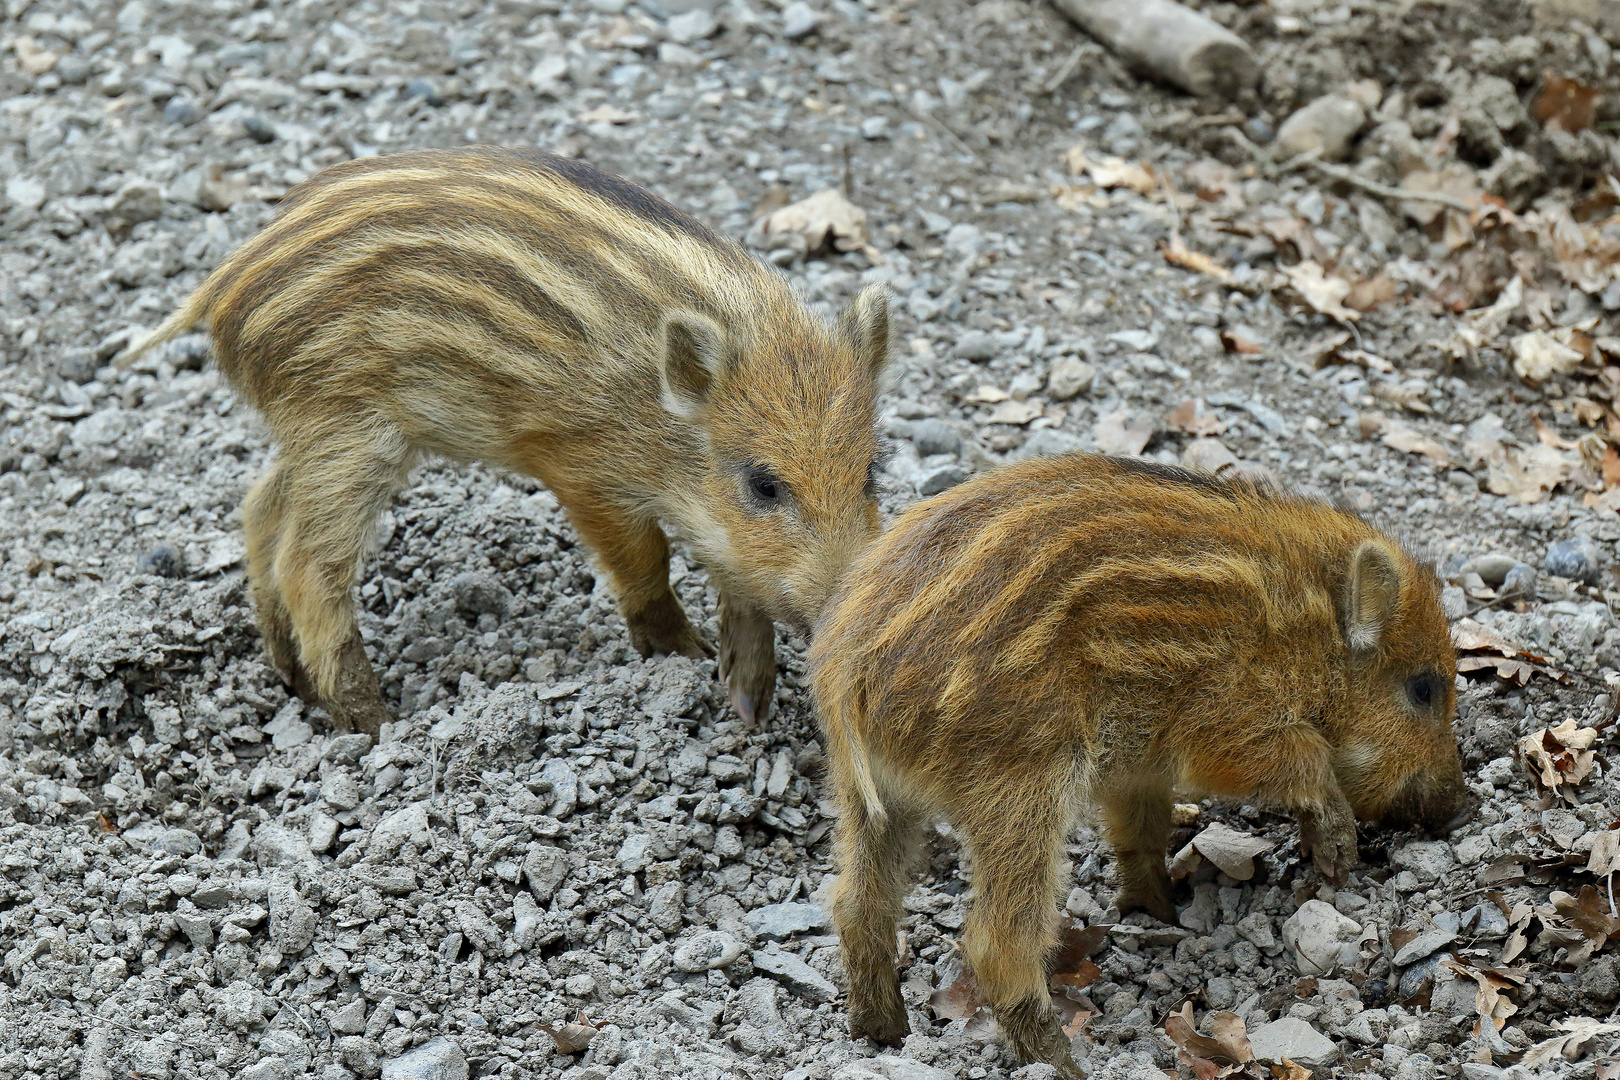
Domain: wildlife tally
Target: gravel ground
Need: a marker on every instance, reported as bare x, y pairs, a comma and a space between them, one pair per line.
198, 879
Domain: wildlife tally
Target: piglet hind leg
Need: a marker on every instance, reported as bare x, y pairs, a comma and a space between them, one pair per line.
1136, 821
747, 658
875, 852
1016, 840
331, 491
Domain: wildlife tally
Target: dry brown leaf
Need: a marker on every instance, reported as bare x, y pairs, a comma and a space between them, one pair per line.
1512, 661
1549, 435
776, 196
1527, 473
1117, 433
1491, 1002
1178, 254
1289, 1070
1579, 1030
1566, 103
1297, 232
1189, 417
1370, 292
1538, 356
987, 394
1234, 342
1223, 1052
1079, 196
1111, 172
1324, 293
1604, 857
1459, 182
1409, 440
825, 219
1608, 1071
1587, 913
1559, 756
571, 1038
1076, 944
957, 1000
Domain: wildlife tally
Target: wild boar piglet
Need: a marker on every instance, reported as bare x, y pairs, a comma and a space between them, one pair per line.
524, 309
1108, 631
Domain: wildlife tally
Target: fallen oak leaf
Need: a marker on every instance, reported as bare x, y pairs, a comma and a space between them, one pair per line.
1111, 172
1566, 103
1287, 1069
1189, 417
1177, 253
1205, 1055
1233, 342
1117, 433
1580, 1030
1399, 436
1549, 435
958, 999
1528, 474
1324, 293
824, 220
1369, 293
1015, 412
1538, 356
1559, 755
571, 1038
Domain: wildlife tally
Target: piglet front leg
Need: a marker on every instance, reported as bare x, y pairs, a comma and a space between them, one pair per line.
747, 658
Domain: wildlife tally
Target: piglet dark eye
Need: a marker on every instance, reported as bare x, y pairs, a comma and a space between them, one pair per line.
764, 486
1423, 690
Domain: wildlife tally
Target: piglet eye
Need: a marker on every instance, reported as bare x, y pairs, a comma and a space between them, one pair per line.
1423, 690
764, 486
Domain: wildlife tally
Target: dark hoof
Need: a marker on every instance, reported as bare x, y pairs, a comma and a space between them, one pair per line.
887, 1032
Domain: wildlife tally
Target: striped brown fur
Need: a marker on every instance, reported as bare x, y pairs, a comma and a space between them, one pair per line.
1094, 630
515, 307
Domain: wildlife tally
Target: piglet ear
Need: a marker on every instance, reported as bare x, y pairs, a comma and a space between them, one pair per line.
865, 324
695, 359
1372, 595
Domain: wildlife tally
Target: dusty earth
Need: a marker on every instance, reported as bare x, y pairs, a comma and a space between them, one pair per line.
198, 879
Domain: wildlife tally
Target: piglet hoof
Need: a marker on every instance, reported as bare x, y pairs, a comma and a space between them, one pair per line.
662, 627
1157, 905
747, 659
357, 703
880, 1025
1034, 1034
1331, 840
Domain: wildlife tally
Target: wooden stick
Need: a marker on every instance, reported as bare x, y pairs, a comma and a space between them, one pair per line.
1172, 43
1372, 187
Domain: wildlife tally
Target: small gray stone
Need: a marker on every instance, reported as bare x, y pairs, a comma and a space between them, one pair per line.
1576, 558
799, 19
942, 479
1048, 442
976, 345
350, 1019
664, 907
893, 1067
180, 842
564, 787
161, 560
270, 1068
1412, 979
1070, 377
436, 1059
705, 952
197, 927
1428, 860
1327, 125
690, 26
292, 919
1319, 937
239, 1006
545, 867
1423, 945
795, 974
398, 827
1294, 1039
479, 928
526, 919
1519, 582
932, 435
477, 593
781, 921
1491, 568
277, 845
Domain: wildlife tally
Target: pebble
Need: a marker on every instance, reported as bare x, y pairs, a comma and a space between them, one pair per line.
1294, 1039
162, 560
976, 345
934, 436
1519, 582
799, 19
942, 479
479, 594
350, 1019
781, 921
440, 1058
180, 111
1069, 378
1576, 558
795, 974
1320, 938
1492, 569
707, 951
894, 1067
690, 26
1427, 860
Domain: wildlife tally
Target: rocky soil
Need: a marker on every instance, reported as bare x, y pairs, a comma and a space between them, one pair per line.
198, 879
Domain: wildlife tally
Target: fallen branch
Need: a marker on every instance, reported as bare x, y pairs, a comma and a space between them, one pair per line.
1172, 43
1308, 160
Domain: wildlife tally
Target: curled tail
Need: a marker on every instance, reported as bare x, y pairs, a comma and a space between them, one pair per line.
188, 315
